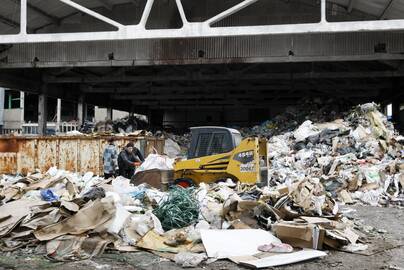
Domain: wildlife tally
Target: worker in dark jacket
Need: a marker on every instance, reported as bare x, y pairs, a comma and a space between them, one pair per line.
128, 159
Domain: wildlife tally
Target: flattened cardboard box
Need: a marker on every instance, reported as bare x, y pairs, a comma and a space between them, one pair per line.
300, 235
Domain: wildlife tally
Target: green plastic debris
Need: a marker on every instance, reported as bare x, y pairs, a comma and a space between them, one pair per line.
179, 210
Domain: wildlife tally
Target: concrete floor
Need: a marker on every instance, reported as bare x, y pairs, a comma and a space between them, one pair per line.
389, 219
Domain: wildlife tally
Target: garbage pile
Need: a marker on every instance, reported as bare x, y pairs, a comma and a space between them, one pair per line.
176, 145
358, 158
77, 217
127, 124
316, 110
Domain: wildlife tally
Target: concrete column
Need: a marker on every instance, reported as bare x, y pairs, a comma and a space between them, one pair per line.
80, 110
58, 114
2, 93
22, 107
42, 114
109, 114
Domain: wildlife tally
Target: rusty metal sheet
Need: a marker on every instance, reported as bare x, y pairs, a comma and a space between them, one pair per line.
101, 146
89, 156
76, 154
8, 145
68, 154
26, 156
8, 163
47, 153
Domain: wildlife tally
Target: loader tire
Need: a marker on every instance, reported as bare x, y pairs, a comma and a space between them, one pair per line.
184, 182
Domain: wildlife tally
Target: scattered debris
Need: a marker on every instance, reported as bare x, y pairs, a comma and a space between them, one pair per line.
91, 214
316, 110
314, 169
358, 158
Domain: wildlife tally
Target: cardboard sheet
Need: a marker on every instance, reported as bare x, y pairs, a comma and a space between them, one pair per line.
90, 217
300, 235
232, 243
13, 212
46, 183
42, 219
284, 259
70, 206
79, 247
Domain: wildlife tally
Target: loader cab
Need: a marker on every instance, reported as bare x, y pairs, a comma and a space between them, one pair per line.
206, 141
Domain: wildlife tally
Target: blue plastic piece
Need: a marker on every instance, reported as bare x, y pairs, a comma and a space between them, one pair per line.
48, 195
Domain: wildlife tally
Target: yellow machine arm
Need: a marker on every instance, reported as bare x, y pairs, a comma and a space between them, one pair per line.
241, 164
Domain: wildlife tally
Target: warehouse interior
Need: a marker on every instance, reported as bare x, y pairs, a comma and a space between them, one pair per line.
205, 134
234, 81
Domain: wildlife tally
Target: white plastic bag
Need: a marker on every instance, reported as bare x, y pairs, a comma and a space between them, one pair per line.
122, 185
121, 215
144, 223
155, 161
171, 148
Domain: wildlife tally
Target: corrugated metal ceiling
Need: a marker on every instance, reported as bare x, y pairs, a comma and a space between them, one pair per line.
9, 11
388, 9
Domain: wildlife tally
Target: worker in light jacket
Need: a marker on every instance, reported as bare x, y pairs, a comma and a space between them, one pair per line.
129, 158
110, 157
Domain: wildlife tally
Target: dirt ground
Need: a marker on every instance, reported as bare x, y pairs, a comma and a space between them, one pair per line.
390, 220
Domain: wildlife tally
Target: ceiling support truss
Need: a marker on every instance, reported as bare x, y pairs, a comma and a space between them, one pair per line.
192, 29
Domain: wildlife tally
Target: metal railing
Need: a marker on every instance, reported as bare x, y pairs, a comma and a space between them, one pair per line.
8, 131
32, 128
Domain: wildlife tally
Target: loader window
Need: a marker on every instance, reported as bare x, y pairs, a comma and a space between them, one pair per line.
202, 145
212, 143
218, 144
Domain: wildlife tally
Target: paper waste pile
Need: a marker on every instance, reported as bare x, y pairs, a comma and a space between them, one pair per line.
313, 109
313, 170
78, 217
358, 158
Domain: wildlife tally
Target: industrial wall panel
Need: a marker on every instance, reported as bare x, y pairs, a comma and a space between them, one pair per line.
89, 156
26, 156
77, 154
203, 50
8, 163
48, 151
68, 155
396, 43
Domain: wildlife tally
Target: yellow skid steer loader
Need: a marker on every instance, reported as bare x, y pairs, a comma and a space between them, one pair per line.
218, 153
